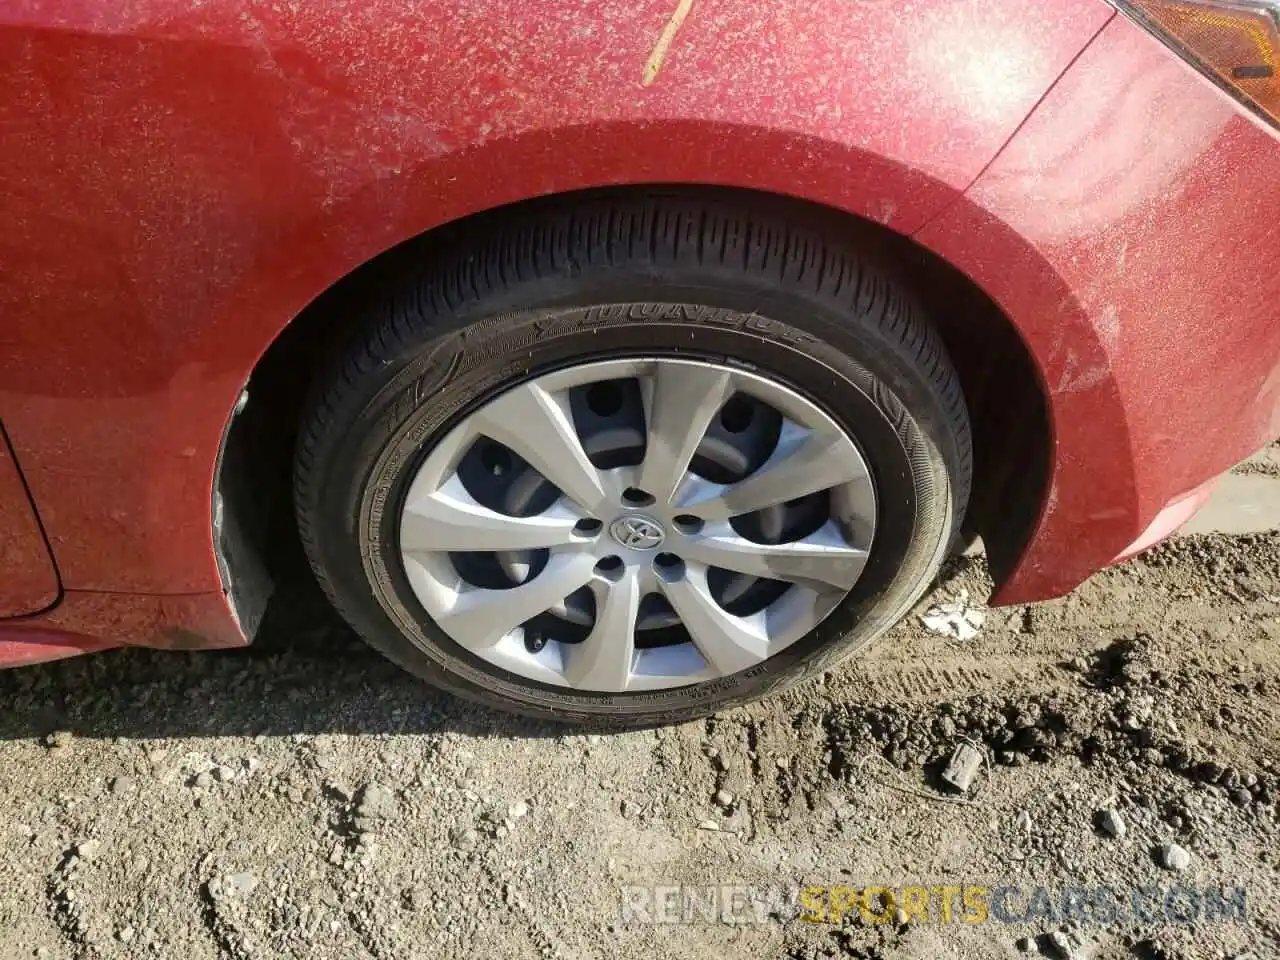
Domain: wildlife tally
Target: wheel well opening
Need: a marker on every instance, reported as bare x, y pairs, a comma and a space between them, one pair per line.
258, 545
1012, 429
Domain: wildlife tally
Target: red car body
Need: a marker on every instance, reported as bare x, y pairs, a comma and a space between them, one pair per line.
181, 180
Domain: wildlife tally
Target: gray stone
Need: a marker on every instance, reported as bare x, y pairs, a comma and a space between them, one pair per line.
237, 884
377, 802
1174, 857
1063, 946
87, 849
1113, 823
121, 784
963, 766
724, 798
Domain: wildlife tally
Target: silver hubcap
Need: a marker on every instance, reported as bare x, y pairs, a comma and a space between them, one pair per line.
637, 524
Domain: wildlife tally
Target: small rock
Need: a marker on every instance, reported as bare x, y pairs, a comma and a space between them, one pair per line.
963, 766
87, 849
1062, 946
1024, 944
1023, 822
708, 825
1152, 757
1113, 823
58, 739
518, 809
125, 934
724, 798
236, 884
412, 898
377, 802
1209, 771
121, 784
1174, 857
202, 781
1241, 797
221, 774
465, 838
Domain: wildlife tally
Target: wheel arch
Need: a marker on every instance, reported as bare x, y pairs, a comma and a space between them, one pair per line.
257, 546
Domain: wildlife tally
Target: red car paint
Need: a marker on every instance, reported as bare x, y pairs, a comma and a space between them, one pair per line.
180, 181
1132, 231
28, 582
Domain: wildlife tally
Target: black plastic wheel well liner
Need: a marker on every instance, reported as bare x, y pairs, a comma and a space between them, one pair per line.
256, 538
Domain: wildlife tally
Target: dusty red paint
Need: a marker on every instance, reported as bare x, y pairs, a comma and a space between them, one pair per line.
85, 622
1132, 230
28, 581
182, 180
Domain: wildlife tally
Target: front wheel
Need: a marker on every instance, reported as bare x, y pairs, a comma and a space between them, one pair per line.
634, 461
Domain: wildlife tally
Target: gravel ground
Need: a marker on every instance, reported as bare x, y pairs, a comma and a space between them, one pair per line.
305, 799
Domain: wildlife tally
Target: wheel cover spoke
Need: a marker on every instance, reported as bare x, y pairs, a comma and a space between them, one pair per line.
805, 462
728, 643
538, 426
450, 519
479, 617
822, 558
677, 592
604, 660
684, 400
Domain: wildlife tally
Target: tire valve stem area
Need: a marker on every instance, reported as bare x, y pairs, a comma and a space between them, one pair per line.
534, 640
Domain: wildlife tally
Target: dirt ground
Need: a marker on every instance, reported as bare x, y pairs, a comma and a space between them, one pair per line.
305, 799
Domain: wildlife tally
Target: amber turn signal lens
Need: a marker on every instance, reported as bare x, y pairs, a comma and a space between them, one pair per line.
1235, 42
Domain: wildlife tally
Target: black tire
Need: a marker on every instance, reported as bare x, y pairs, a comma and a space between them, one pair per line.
665, 272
